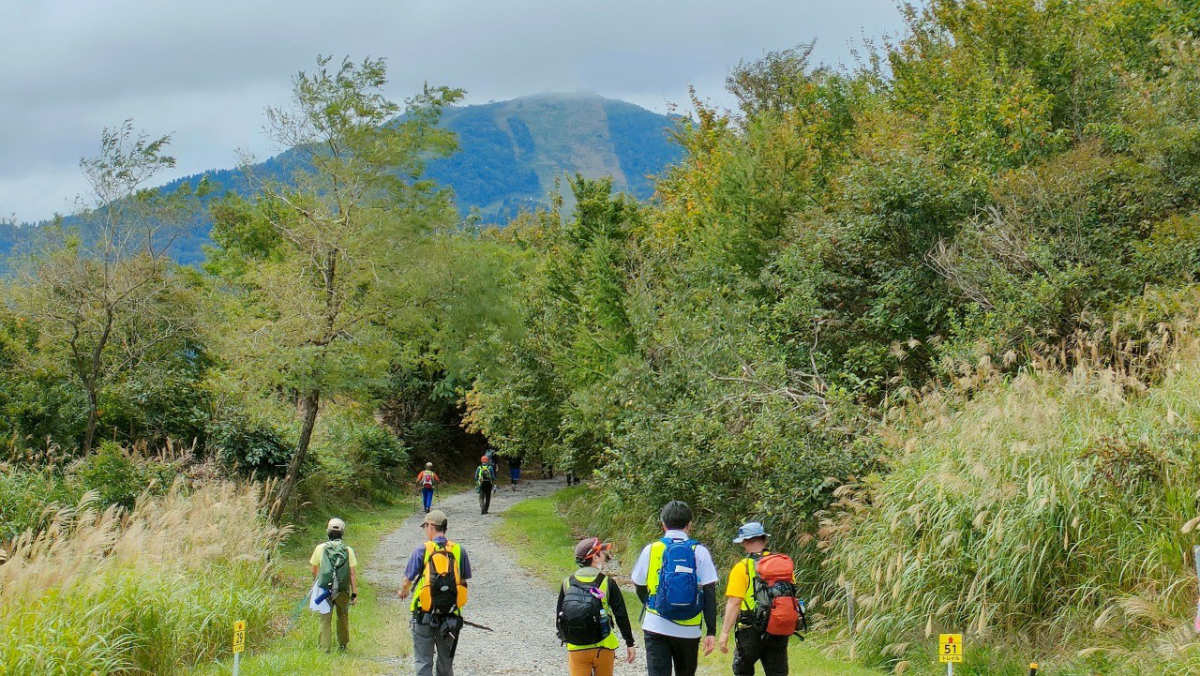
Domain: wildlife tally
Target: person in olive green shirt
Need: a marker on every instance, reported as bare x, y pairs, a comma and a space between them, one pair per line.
341, 604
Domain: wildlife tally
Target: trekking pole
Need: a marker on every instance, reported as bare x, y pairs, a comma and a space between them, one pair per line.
477, 626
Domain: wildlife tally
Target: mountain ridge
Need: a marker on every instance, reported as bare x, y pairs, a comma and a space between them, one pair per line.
510, 154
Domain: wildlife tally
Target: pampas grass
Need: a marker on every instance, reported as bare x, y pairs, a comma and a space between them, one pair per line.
151, 590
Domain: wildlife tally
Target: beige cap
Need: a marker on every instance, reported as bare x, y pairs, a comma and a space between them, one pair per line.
435, 517
428, 465
336, 524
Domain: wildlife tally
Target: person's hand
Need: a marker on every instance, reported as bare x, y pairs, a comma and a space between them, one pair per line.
403, 593
710, 642
724, 641
630, 654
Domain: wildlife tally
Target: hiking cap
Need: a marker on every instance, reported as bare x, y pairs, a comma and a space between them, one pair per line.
428, 465
336, 524
589, 547
483, 459
435, 518
749, 531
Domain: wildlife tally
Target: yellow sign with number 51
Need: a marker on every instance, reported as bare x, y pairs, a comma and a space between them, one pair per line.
950, 648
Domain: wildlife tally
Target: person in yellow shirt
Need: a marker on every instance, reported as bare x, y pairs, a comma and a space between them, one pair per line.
342, 568
752, 644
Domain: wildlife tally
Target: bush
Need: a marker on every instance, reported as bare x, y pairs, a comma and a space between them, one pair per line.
252, 449
153, 593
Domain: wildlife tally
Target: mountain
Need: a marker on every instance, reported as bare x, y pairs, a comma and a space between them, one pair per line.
510, 155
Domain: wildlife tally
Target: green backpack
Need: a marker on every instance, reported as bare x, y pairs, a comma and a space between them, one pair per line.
334, 573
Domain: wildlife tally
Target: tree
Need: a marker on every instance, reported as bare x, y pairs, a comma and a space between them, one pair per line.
330, 246
104, 298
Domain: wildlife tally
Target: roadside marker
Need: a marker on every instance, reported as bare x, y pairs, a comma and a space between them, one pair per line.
950, 650
239, 643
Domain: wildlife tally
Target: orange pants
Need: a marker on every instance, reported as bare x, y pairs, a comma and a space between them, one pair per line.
590, 662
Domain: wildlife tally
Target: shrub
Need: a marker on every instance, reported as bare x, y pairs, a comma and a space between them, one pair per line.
248, 447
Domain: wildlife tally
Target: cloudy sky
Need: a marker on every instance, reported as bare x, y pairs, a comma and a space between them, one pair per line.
203, 72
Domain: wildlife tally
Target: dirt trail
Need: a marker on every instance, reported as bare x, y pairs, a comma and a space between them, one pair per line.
504, 596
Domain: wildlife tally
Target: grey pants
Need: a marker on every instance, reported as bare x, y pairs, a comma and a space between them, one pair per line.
427, 639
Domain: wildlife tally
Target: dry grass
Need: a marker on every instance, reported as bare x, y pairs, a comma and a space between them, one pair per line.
1046, 514
152, 590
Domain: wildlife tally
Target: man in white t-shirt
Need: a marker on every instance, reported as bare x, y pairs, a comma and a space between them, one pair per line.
676, 642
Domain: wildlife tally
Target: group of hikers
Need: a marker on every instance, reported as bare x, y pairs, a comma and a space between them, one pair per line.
674, 577
485, 480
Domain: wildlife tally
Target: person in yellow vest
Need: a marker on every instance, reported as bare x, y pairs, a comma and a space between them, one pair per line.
686, 567
575, 613
435, 634
751, 644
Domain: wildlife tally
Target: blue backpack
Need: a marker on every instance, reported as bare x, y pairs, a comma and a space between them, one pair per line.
678, 595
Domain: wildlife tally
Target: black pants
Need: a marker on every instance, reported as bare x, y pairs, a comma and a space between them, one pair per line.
751, 647
663, 651
485, 498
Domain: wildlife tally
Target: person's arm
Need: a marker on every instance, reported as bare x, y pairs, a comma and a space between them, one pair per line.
315, 568
353, 583
643, 593
616, 601
733, 606
710, 608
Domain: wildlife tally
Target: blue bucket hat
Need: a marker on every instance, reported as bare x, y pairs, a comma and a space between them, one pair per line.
749, 530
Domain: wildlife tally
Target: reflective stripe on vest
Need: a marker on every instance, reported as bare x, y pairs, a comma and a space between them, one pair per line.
423, 581
609, 641
658, 551
749, 603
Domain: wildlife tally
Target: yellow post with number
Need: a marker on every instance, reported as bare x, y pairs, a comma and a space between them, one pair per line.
950, 650
239, 643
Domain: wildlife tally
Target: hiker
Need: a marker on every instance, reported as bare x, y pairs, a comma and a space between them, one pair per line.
755, 602
485, 479
589, 603
514, 470
677, 583
427, 480
335, 572
571, 477
439, 571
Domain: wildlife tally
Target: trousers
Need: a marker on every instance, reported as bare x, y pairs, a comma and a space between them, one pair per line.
591, 662
341, 606
433, 647
664, 651
751, 647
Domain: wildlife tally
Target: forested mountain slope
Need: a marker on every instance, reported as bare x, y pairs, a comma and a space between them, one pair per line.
510, 154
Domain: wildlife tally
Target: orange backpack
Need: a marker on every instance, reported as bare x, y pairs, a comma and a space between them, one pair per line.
778, 612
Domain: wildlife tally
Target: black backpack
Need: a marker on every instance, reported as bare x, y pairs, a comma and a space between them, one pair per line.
582, 620
443, 582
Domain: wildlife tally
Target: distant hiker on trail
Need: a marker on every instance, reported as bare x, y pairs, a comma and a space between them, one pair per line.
335, 573
514, 470
427, 480
439, 570
677, 583
485, 479
589, 603
761, 599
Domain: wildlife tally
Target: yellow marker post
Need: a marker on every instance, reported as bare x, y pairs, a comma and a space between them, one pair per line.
239, 643
950, 650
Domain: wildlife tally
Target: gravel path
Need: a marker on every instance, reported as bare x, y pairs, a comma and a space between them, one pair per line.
505, 597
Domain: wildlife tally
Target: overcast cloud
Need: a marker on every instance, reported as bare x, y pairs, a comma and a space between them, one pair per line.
203, 72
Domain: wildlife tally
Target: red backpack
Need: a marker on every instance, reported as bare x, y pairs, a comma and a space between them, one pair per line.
778, 611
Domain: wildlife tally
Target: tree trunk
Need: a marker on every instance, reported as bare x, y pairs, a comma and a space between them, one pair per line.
308, 406
89, 436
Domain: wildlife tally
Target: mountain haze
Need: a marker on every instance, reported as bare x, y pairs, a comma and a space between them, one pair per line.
511, 153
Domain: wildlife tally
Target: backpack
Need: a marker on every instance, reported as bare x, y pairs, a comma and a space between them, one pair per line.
427, 479
334, 573
582, 620
483, 475
445, 593
678, 595
778, 612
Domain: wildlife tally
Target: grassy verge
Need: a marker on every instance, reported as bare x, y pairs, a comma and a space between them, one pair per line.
378, 630
544, 540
